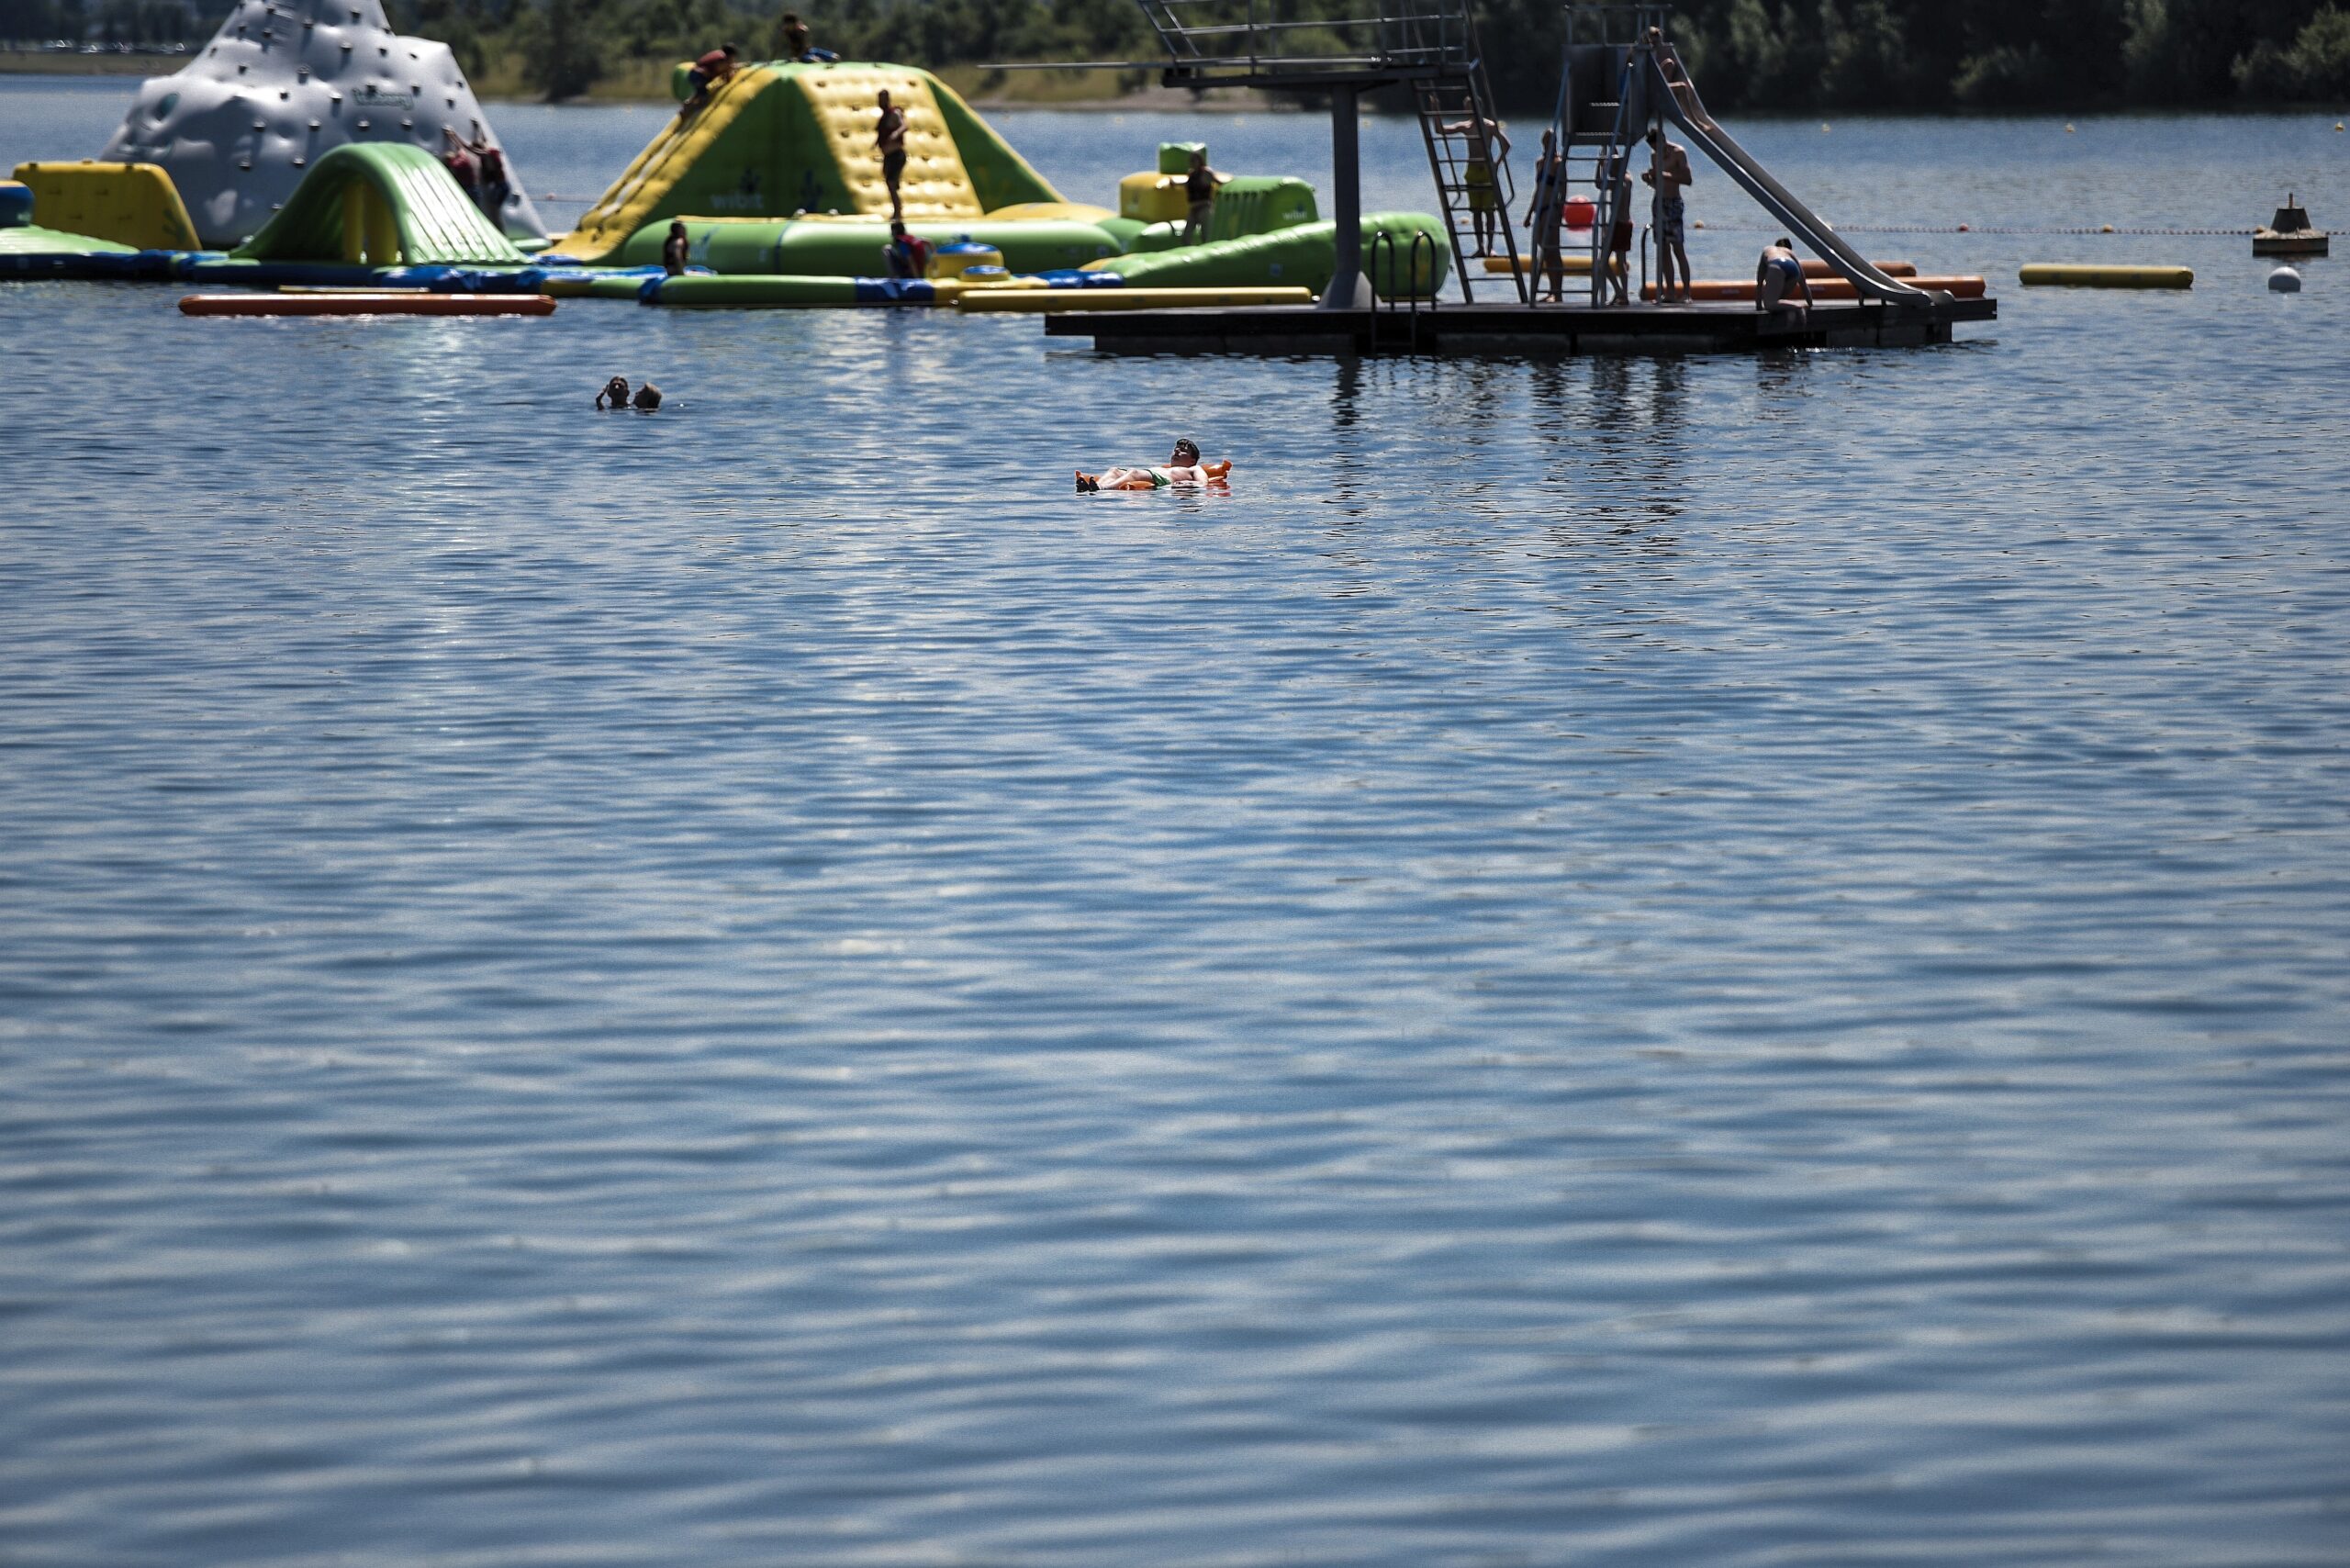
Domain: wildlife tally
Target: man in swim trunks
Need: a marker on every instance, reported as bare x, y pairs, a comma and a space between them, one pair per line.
614, 395
708, 72
1183, 468
1779, 283
1484, 196
676, 250
1668, 171
889, 141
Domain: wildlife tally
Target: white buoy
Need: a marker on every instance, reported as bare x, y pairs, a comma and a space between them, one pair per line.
2284, 280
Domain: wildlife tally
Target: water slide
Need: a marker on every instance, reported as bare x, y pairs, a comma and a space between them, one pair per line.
380, 204
787, 138
1804, 226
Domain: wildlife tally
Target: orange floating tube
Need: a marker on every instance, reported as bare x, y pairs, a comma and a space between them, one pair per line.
388, 303
1734, 290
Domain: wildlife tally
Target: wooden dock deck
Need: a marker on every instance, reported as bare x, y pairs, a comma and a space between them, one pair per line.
1513, 329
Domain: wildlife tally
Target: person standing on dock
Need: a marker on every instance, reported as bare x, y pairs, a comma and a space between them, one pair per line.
1484, 190
889, 141
1199, 199
1619, 227
1544, 215
1668, 171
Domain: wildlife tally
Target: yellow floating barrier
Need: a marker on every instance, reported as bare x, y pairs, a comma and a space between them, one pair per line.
2088, 274
1055, 300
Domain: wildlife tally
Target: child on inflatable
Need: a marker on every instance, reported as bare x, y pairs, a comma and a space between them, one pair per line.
1183, 468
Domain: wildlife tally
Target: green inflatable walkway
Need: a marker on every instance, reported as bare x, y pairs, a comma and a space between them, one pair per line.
380, 204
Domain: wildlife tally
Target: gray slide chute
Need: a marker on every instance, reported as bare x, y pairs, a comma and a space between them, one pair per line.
1804, 226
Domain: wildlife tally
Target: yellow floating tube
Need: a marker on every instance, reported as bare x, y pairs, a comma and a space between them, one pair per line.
1574, 267
2085, 274
1055, 300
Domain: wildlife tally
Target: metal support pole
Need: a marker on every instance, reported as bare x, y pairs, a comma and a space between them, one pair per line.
1345, 175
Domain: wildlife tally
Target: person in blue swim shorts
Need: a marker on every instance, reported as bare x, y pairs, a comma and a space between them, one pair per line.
1779, 283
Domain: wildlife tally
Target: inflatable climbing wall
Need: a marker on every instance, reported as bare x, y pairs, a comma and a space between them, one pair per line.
283, 83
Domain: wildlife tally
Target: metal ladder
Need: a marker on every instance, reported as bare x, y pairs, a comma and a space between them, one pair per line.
1429, 45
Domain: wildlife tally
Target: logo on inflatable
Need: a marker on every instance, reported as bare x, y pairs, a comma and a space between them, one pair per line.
376, 98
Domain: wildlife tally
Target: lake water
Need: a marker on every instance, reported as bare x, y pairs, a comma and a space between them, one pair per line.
1689, 961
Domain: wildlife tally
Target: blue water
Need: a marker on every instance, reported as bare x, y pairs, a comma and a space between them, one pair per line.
1659, 962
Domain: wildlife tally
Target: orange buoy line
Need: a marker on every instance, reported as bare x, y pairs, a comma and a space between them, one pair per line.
1736, 290
385, 303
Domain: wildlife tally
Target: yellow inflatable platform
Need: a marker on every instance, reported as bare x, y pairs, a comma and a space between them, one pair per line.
786, 139
131, 204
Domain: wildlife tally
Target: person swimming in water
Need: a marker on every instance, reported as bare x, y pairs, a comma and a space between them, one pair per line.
1183, 468
615, 394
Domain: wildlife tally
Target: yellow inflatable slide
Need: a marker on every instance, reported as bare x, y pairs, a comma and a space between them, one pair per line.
786, 139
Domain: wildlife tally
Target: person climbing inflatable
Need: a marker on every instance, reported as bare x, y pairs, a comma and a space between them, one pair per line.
1183, 468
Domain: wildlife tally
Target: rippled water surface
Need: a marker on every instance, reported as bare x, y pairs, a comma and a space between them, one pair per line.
1703, 961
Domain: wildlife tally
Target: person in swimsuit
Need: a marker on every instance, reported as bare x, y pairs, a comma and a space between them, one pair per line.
648, 398
906, 255
676, 250
1668, 171
614, 395
1779, 283
708, 72
458, 159
1485, 195
889, 141
1183, 468
495, 184
1619, 230
1546, 212
1685, 91
1199, 199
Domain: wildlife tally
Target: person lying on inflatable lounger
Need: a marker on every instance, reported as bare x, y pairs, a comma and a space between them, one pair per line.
1183, 468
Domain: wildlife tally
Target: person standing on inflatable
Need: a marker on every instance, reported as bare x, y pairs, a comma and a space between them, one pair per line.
889, 141
1199, 199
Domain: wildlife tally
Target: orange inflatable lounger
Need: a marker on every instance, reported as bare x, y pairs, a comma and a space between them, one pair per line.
385, 304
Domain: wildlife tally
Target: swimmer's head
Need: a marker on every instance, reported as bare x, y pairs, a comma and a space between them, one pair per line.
648, 397
1186, 452
617, 390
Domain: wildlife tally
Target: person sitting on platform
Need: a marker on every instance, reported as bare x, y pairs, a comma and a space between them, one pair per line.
676, 250
1488, 145
708, 72
792, 33
1779, 282
1199, 199
1685, 91
906, 255
1183, 468
1668, 171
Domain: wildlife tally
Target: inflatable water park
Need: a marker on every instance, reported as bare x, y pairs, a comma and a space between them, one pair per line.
320, 163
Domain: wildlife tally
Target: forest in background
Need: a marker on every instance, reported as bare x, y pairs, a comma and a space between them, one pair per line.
1788, 56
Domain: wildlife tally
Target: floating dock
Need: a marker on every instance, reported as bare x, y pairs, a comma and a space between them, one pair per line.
1510, 329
